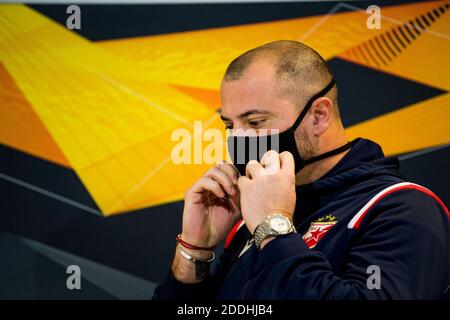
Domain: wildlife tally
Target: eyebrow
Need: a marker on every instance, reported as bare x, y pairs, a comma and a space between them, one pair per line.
247, 113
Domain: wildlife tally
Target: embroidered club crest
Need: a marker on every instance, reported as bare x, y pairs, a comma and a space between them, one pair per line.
318, 229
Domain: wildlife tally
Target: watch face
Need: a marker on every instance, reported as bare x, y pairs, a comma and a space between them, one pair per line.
280, 224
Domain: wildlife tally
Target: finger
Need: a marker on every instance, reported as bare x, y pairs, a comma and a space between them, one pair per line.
230, 170
242, 182
223, 179
208, 184
253, 169
271, 162
233, 203
287, 162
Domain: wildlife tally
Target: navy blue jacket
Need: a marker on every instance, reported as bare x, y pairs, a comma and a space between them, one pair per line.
349, 225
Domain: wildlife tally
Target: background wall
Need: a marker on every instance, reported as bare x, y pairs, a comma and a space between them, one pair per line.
86, 118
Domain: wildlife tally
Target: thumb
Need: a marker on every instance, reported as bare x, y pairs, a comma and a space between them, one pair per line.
287, 162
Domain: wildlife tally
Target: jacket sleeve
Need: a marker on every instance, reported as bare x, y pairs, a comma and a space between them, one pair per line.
406, 235
172, 289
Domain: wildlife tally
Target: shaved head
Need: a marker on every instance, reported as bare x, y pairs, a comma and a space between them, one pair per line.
300, 71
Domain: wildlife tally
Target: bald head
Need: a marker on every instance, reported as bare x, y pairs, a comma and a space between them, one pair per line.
299, 71
268, 87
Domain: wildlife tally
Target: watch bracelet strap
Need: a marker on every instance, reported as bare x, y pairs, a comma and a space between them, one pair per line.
201, 266
262, 225
187, 256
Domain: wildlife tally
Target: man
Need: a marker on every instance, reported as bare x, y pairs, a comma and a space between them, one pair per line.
322, 219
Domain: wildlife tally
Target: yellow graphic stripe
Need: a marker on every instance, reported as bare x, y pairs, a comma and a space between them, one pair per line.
110, 121
425, 58
422, 125
199, 58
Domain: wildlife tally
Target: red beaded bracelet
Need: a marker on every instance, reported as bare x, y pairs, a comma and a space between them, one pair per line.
191, 246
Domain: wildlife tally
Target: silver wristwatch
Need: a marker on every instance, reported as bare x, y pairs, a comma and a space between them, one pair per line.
275, 224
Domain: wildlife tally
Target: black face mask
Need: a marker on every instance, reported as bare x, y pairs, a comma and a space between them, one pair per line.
242, 149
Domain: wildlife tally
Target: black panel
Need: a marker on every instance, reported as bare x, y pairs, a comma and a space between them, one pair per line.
365, 93
430, 170
137, 242
26, 274
44, 174
102, 22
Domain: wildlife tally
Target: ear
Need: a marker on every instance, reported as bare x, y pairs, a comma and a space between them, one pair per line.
322, 112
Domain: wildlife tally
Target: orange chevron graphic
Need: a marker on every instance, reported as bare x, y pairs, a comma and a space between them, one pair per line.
418, 126
20, 126
408, 44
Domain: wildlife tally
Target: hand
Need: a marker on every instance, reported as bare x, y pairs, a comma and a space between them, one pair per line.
211, 207
268, 187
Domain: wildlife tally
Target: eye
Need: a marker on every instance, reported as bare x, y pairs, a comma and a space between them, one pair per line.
228, 126
256, 123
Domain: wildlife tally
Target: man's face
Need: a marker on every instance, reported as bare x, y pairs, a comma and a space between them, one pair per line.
254, 101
